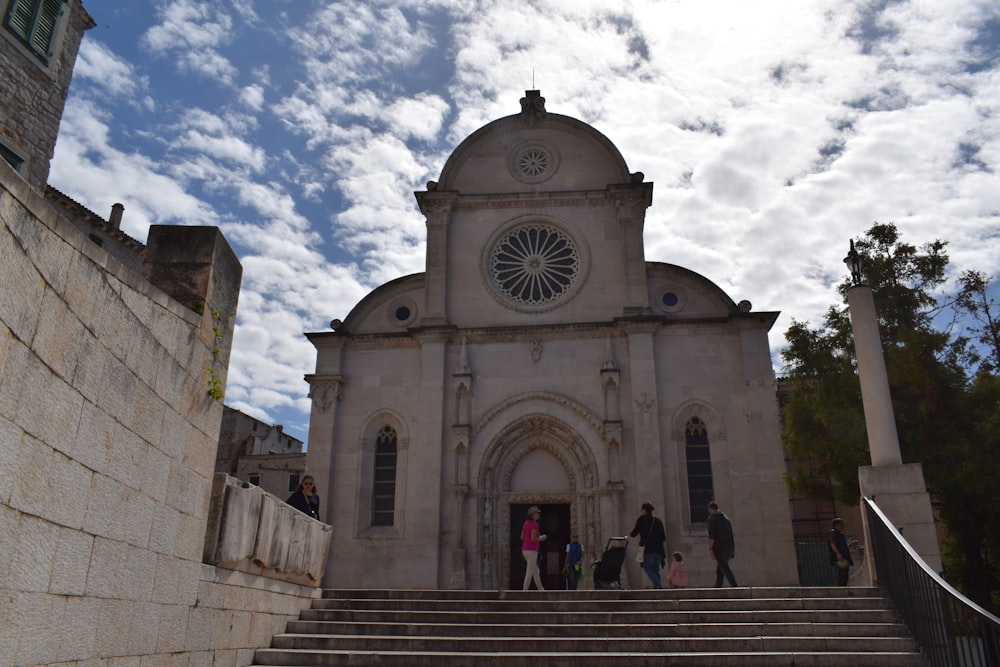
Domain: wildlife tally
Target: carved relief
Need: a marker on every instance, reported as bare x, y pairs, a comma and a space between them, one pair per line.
324, 390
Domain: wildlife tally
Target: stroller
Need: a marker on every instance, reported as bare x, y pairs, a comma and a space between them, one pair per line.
607, 570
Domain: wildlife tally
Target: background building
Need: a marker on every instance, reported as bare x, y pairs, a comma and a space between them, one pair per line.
259, 453
540, 359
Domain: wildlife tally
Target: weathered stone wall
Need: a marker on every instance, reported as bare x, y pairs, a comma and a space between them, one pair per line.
34, 92
107, 448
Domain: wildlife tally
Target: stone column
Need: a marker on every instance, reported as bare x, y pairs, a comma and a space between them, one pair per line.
631, 202
898, 489
436, 207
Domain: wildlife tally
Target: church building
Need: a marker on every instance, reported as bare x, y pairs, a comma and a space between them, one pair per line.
540, 359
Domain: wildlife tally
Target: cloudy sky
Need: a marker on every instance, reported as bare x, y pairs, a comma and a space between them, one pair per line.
774, 131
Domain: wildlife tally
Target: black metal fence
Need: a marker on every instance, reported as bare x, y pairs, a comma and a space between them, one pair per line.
951, 629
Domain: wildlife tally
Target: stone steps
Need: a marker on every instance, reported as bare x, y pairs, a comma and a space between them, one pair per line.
823, 627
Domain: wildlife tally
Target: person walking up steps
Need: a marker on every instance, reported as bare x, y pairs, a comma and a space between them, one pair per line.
721, 544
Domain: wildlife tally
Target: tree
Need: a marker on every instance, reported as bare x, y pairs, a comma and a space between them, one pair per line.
944, 414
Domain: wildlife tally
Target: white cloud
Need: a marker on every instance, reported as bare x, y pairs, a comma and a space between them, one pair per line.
774, 132
113, 74
195, 31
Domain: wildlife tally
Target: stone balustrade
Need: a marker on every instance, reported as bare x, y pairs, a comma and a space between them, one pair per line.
250, 530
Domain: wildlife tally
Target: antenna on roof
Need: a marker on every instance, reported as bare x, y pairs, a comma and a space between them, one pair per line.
532, 78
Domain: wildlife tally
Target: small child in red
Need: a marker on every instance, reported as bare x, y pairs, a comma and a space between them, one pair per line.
677, 575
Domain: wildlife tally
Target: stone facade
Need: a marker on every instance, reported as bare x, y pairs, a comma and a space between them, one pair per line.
540, 359
34, 91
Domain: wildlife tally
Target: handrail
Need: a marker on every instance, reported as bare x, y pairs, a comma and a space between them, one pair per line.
951, 629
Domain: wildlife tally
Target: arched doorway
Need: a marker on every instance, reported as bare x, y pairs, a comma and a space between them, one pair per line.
536, 460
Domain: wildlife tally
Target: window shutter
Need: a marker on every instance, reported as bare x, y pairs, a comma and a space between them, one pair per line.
19, 18
45, 27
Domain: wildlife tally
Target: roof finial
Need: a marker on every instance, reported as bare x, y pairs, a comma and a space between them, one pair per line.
532, 101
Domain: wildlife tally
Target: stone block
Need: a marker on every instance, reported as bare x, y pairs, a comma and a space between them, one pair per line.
56, 419
10, 621
200, 629
90, 364
21, 288
148, 415
114, 620
176, 580
128, 451
201, 659
106, 562
225, 657
79, 631
119, 387
88, 291
172, 637
239, 631
35, 554
168, 524
171, 380
31, 488
57, 335
156, 660
94, 438
6, 340
137, 576
72, 562
190, 538
155, 474
108, 498
10, 446
144, 629
115, 325
9, 529
138, 519
72, 481
41, 620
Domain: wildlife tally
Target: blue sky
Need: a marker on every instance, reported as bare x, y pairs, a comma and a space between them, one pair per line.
773, 131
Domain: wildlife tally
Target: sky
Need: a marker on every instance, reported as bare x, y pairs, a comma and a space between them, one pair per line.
773, 131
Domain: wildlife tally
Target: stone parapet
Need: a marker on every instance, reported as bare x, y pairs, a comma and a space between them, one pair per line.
250, 530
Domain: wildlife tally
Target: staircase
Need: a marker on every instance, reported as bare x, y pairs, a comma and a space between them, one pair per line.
816, 627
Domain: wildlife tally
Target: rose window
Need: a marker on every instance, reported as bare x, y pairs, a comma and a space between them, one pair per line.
534, 264
533, 162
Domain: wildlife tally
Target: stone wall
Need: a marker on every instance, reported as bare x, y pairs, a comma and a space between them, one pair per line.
108, 435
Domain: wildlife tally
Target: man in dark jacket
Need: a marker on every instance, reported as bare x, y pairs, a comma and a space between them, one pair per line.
840, 552
721, 544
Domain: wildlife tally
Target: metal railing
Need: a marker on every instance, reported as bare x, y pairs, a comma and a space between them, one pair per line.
951, 629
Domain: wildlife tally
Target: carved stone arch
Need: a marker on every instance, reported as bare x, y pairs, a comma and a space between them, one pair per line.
538, 430
531, 433
546, 397
705, 412
379, 419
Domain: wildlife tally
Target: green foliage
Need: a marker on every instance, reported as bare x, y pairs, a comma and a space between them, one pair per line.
215, 391
945, 395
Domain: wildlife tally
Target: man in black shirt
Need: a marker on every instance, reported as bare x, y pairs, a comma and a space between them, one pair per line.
721, 544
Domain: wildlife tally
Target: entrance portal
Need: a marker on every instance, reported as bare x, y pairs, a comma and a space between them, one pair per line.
555, 523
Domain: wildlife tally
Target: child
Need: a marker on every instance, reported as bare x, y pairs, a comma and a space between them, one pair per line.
677, 574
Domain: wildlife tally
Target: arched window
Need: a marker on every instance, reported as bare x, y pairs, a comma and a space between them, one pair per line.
384, 482
699, 469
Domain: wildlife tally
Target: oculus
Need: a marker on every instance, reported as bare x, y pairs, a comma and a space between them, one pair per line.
534, 265
532, 162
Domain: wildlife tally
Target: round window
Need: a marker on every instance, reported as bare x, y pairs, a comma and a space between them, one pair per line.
534, 265
533, 162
